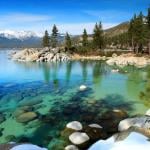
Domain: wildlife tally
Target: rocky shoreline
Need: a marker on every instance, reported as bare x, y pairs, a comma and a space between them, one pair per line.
57, 55
93, 136
40, 55
81, 137
129, 59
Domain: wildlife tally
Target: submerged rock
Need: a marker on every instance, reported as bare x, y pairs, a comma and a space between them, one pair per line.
26, 117
82, 88
2, 118
31, 102
18, 112
66, 133
71, 147
95, 133
95, 126
75, 125
78, 138
10, 138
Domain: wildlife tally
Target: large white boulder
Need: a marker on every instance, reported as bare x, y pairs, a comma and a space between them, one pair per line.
75, 125
78, 138
133, 141
27, 147
71, 147
142, 122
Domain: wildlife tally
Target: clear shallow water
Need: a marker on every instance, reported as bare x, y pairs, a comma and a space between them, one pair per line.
52, 91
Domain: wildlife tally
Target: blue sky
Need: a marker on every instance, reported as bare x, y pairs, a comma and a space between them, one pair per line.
69, 15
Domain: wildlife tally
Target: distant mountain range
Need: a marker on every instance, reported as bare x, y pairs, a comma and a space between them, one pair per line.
20, 39
13, 39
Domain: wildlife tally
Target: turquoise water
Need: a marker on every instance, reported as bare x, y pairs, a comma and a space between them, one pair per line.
51, 90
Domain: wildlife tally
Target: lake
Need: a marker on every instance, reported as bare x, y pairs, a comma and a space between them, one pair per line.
52, 91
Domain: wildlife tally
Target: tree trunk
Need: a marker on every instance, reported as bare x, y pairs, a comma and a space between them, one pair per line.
133, 46
137, 48
149, 46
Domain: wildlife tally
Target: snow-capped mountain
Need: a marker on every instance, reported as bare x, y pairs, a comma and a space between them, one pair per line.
13, 39
21, 35
19, 39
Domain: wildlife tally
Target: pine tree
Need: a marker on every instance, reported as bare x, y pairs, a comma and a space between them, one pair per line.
148, 25
98, 36
84, 38
131, 32
139, 31
45, 41
54, 36
68, 43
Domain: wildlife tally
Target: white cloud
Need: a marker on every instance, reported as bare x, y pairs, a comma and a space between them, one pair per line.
18, 18
71, 28
39, 23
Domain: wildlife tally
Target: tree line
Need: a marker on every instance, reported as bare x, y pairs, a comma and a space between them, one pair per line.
70, 43
136, 38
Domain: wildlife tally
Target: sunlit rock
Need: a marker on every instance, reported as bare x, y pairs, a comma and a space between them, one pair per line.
40, 55
114, 55
78, 138
95, 126
142, 122
75, 125
128, 59
71, 147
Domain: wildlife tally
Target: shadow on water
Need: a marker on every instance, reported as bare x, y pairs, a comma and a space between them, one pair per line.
54, 70
145, 94
80, 107
100, 69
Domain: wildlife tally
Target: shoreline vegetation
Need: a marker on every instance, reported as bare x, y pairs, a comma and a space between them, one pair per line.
59, 55
133, 35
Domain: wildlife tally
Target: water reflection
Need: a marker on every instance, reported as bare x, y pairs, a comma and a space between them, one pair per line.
68, 71
46, 72
100, 70
56, 71
84, 65
145, 93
